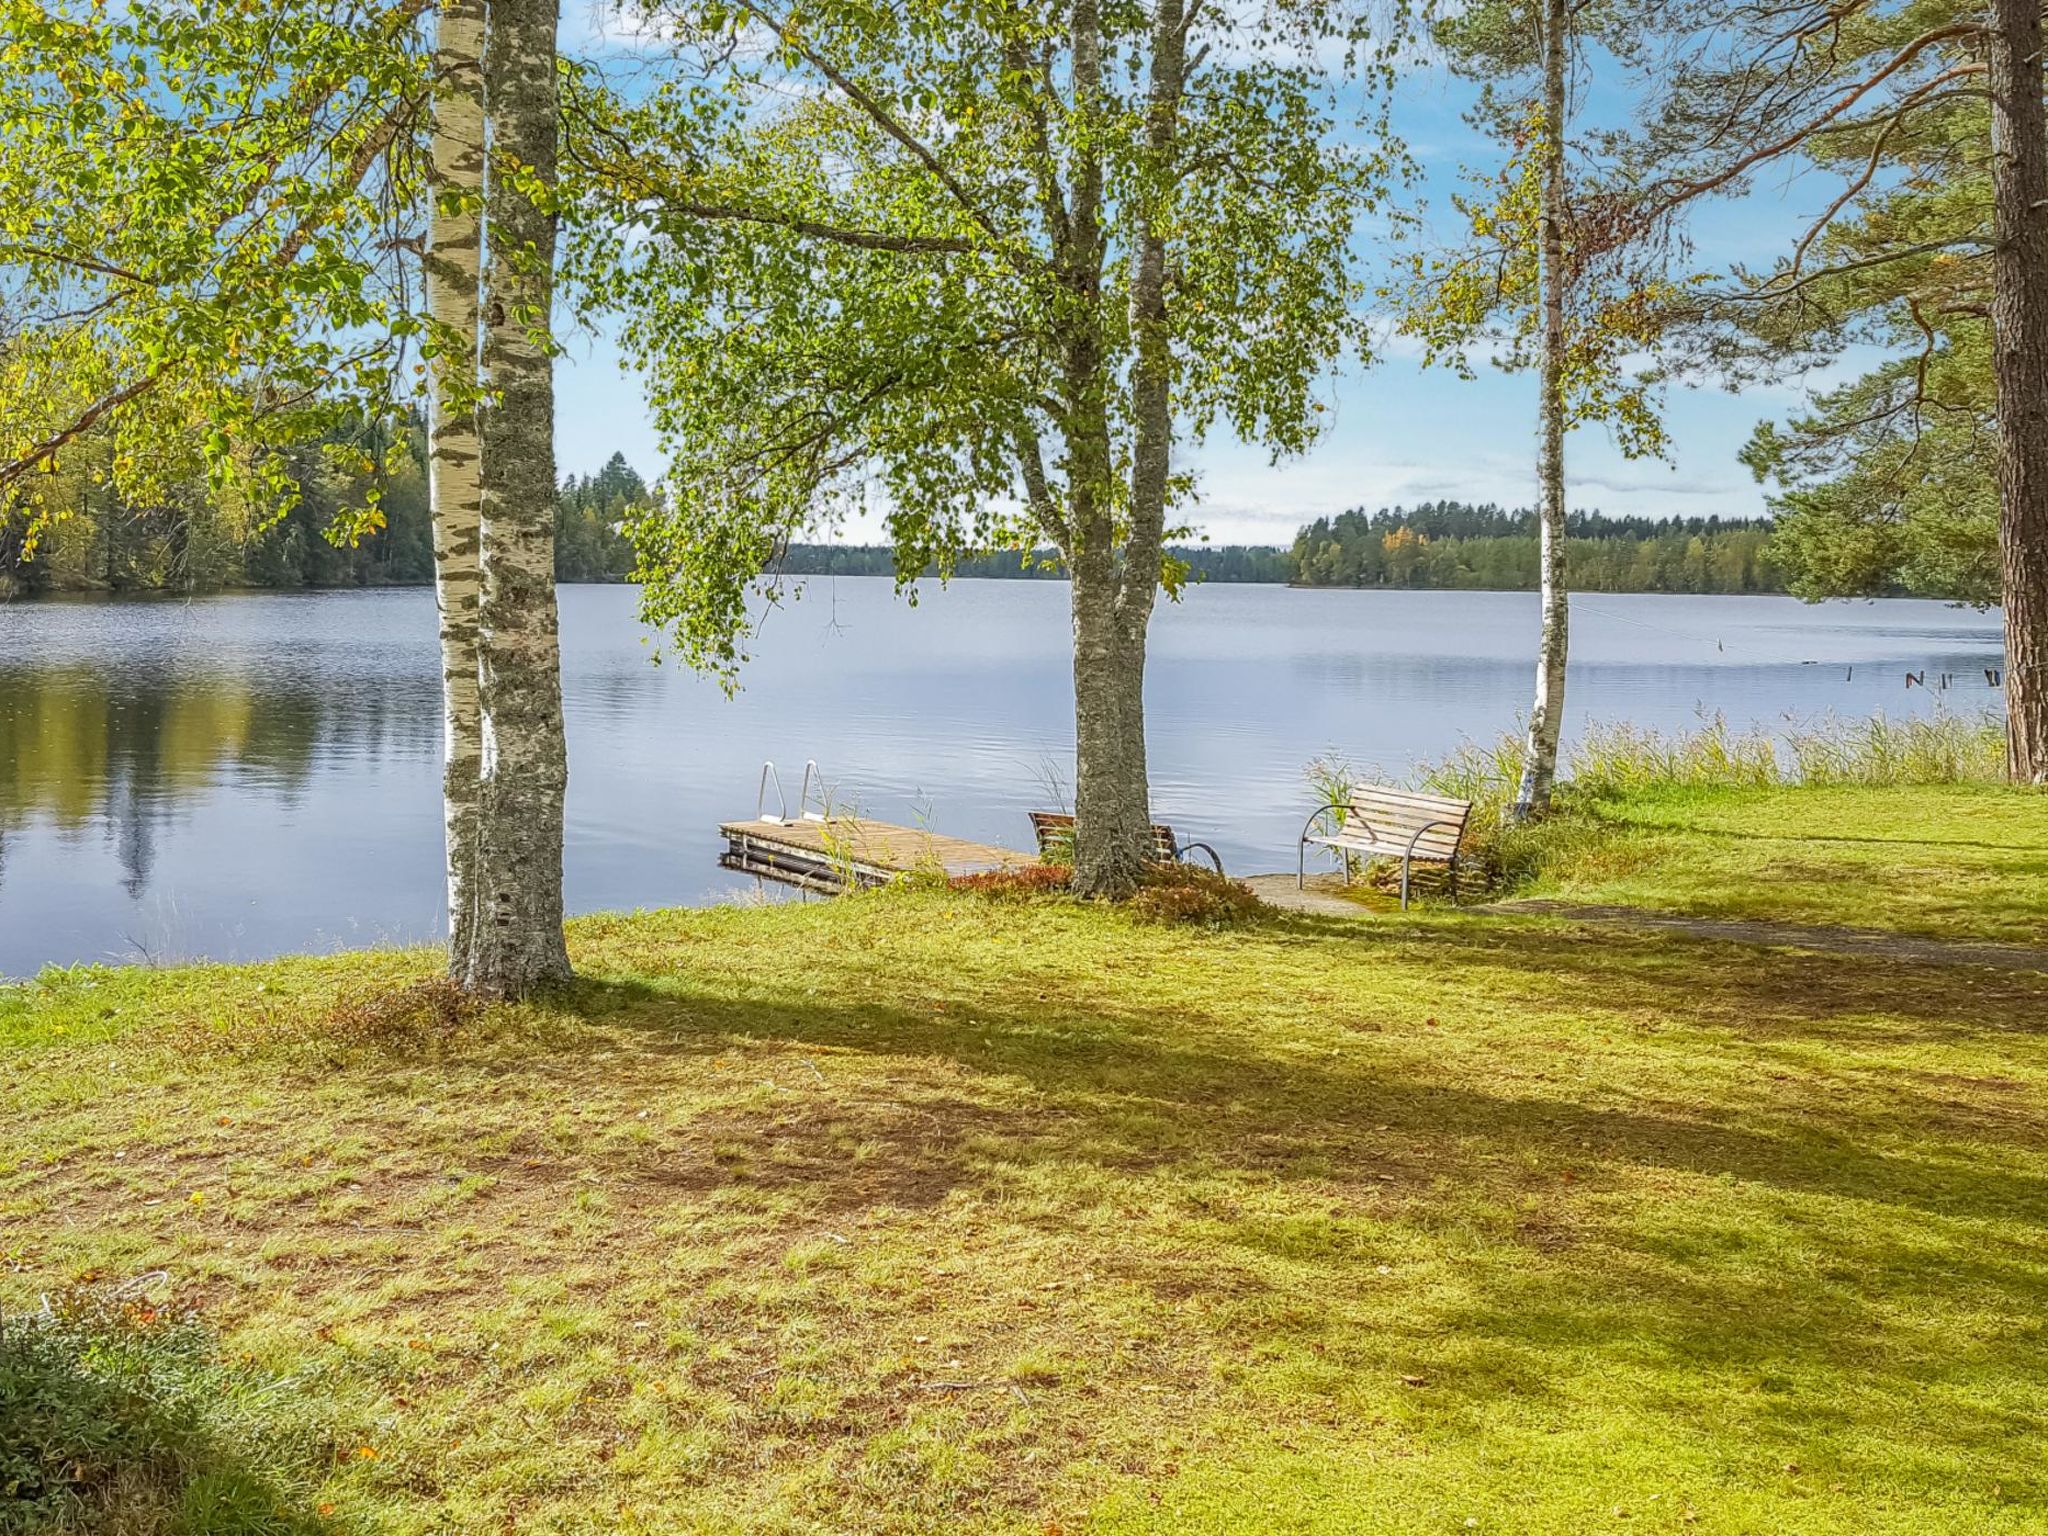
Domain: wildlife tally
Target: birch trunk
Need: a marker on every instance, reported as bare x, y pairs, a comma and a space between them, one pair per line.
1113, 595
1546, 716
2019, 320
1112, 806
456, 168
517, 944
1112, 816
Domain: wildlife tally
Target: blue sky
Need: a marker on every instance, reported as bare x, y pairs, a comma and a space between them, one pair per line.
1399, 433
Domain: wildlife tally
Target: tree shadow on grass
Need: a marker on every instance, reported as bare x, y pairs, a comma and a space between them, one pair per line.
1803, 1265
1592, 1190
1138, 1087
1760, 990
1689, 829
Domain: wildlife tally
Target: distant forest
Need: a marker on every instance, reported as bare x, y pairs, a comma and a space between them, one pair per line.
1447, 544
1441, 545
1221, 563
191, 544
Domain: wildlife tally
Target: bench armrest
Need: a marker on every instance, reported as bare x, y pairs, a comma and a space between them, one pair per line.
1346, 818
1342, 817
1426, 826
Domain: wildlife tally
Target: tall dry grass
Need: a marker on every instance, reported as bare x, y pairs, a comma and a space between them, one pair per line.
1611, 759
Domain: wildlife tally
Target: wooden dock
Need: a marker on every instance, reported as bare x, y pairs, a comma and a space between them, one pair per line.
851, 851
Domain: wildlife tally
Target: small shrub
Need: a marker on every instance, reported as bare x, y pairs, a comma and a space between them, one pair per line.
1056, 846
1016, 884
119, 1415
1184, 894
1332, 777
412, 1019
424, 1013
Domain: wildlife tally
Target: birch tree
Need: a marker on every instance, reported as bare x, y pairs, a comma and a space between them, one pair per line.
1555, 271
984, 270
454, 450
493, 154
1553, 647
207, 220
515, 938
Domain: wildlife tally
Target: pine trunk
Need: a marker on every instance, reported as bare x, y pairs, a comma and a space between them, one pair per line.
1546, 716
454, 455
2019, 319
517, 944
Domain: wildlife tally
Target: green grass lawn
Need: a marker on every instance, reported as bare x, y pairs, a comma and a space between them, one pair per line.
1965, 861
919, 1212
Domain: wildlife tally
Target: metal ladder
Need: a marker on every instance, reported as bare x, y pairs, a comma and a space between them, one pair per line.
803, 800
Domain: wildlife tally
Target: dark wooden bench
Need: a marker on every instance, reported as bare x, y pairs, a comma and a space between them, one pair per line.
1055, 831
1381, 823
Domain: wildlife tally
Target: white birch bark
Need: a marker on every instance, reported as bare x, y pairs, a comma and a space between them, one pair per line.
454, 239
1113, 600
1546, 717
1112, 814
517, 944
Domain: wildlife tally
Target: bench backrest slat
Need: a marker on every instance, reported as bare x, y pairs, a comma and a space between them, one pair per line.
1396, 815
1055, 831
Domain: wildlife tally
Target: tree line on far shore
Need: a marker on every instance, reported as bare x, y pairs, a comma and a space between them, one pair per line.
1440, 546
1449, 545
195, 542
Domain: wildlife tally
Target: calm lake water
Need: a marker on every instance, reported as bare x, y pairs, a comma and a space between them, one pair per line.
246, 775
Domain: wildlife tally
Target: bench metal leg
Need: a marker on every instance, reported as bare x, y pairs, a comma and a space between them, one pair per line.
1404, 882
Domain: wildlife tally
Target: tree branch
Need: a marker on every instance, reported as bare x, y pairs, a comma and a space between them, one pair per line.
1037, 495
859, 239
1676, 196
367, 153
884, 119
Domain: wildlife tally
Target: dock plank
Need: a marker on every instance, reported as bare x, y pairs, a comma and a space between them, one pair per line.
873, 852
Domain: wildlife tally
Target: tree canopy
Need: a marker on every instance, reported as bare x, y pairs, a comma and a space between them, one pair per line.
198, 209
1886, 483
855, 253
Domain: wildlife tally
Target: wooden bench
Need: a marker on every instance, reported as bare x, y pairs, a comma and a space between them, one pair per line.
1055, 831
1389, 824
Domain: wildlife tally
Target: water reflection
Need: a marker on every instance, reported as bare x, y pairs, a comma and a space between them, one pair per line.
151, 754
252, 774
77, 750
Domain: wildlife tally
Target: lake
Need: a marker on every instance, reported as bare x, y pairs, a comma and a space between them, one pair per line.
245, 775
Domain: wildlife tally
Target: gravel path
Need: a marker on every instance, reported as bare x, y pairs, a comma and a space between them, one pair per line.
1323, 898
1841, 941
